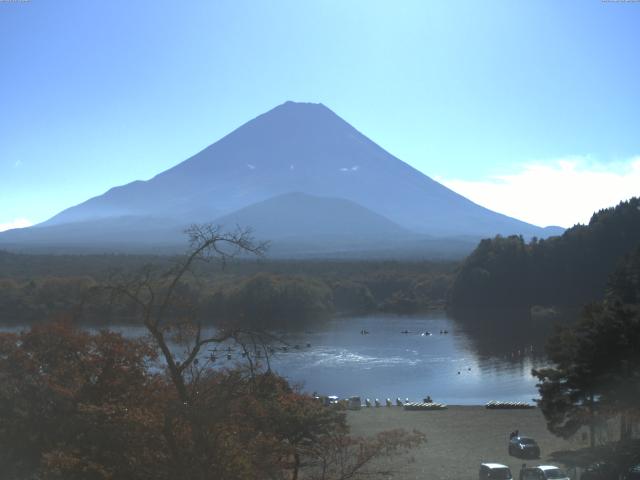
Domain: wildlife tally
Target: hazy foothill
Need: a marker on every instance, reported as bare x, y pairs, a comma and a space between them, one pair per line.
299, 220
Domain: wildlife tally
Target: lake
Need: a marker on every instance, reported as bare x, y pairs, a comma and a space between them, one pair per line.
386, 363
458, 368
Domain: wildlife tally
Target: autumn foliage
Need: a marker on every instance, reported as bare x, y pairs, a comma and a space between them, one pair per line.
75, 405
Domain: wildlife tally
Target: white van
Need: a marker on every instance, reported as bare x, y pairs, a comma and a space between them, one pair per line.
544, 472
494, 471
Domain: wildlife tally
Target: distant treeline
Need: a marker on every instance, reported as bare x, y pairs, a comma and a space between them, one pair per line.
565, 271
265, 293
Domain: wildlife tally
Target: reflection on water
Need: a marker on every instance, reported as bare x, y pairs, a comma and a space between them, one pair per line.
468, 365
510, 334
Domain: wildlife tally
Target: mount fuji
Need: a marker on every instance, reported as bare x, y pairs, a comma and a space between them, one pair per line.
298, 174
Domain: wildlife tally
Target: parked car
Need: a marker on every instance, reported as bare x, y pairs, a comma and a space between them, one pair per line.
524, 447
494, 471
600, 471
544, 472
633, 473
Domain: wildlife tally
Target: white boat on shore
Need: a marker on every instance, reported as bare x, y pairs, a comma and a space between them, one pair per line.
424, 406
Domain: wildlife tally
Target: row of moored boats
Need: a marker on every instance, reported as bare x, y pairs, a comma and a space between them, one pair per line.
495, 404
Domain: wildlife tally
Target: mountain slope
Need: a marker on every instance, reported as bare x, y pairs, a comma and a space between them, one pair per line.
120, 233
298, 147
298, 226
298, 215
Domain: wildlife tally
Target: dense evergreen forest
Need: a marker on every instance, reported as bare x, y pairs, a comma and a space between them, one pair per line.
270, 293
593, 376
565, 271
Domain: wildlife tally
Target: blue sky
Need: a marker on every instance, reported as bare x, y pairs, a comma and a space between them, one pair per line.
528, 107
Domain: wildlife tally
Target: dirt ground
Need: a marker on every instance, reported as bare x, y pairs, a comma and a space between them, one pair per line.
459, 439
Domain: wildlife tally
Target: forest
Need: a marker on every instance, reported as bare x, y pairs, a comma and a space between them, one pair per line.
593, 377
271, 293
565, 271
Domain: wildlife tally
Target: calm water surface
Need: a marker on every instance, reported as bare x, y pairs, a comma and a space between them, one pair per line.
388, 363
453, 368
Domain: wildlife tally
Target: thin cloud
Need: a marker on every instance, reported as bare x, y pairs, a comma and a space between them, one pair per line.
17, 223
561, 192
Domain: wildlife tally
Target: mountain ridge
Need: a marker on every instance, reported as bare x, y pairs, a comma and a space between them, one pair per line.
297, 147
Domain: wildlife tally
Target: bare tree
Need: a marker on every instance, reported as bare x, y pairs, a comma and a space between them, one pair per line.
164, 307
155, 293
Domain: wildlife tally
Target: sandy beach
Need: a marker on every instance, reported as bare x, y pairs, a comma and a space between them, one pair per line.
459, 438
